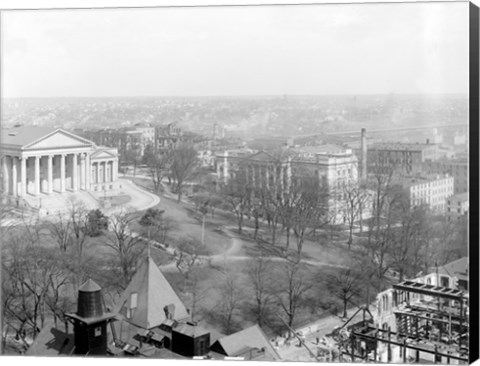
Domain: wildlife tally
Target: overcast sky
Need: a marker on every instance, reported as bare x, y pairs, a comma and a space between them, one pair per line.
308, 49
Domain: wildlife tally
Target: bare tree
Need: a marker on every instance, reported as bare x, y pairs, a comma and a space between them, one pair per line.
126, 247
385, 195
183, 167
237, 193
197, 294
61, 230
409, 239
28, 268
159, 164
187, 255
261, 282
355, 198
345, 285
310, 208
229, 302
292, 288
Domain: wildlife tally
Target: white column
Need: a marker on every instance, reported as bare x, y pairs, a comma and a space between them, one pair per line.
74, 173
105, 171
82, 171
23, 175
6, 176
50, 174
252, 167
289, 174
88, 171
62, 173
281, 179
267, 177
115, 170
97, 172
14, 176
37, 175
110, 176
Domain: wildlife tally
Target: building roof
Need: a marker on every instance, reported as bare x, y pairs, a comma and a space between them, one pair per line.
236, 343
399, 146
24, 137
321, 149
52, 341
261, 156
190, 330
457, 268
406, 181
21, 136
89, 286
154, 294
460, 197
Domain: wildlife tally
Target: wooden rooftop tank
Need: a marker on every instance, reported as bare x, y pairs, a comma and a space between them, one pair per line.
90, 321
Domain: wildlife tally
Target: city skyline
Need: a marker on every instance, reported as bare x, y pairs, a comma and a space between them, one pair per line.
237, 51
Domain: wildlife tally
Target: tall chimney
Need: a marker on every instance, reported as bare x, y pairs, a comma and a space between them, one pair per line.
363, 159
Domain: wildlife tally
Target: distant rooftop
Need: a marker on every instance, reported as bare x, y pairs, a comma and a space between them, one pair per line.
414, 180
457, 268
321, 149
460, 196
399, 146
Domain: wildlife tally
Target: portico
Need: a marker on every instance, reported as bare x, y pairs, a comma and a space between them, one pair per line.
38, 160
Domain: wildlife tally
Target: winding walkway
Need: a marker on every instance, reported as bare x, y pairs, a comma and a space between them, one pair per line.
231, 255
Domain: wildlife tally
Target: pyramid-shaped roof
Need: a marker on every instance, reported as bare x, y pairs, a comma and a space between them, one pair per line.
145, 298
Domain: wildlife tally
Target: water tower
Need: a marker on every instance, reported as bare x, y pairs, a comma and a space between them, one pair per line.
90, 321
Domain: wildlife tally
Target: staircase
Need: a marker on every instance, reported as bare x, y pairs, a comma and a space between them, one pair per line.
52, 204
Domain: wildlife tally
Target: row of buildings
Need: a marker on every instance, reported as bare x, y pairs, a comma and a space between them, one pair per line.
427, 177
136, 139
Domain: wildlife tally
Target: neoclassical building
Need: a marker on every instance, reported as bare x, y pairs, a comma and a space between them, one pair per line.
334, 166
41, 160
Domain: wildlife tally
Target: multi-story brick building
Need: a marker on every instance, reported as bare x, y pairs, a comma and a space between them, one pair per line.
167, 137
457, 206
407, 158
458, 168
430, 190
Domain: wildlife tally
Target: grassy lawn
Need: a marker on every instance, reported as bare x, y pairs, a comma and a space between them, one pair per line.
210, 294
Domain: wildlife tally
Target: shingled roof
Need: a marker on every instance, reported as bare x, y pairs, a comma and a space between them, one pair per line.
250, 338
153, 295
51, 341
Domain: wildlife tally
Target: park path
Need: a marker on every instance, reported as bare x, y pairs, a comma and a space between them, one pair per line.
232, 255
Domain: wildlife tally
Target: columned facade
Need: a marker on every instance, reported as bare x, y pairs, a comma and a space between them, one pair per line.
56, 163
104, 172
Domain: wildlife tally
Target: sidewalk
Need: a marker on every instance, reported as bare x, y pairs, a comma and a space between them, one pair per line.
311, 332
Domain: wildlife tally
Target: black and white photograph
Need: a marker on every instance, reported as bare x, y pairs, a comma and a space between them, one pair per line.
245, 181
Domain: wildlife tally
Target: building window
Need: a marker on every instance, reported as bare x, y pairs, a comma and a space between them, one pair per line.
98, 331
133, 300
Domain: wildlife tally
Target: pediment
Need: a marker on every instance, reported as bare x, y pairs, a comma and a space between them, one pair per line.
102, 154
58, 139
261, 156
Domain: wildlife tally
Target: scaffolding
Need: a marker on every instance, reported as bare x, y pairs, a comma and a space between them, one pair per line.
430, 320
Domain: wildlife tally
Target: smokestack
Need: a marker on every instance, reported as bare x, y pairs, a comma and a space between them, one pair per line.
363, 159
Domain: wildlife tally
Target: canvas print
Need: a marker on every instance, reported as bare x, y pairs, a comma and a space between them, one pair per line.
264, 183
